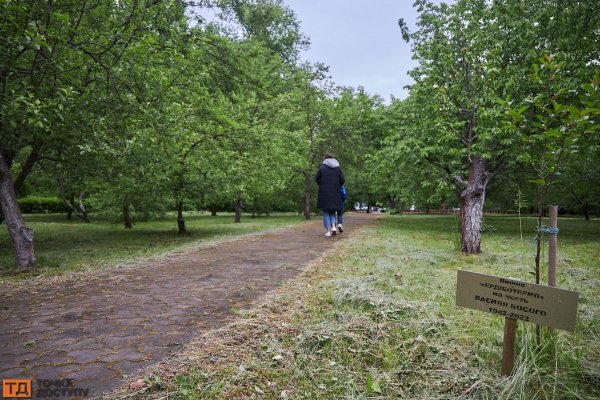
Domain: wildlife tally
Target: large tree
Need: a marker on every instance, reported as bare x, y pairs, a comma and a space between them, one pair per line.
303, 119
471, 54
357, 126
454, 130
53, 55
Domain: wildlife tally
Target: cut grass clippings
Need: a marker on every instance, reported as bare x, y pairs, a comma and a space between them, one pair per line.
376, 319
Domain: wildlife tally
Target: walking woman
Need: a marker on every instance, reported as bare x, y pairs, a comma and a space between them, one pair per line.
330, 179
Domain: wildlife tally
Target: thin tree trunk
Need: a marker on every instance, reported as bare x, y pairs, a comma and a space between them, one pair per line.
586, 211
213, 210
307, 195
22, 237
82, 208
82, 212
68, 209
238, 209
127, 220
471, 207
180, 219
538, 251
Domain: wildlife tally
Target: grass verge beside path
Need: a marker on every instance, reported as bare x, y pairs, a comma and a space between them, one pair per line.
376, 319
63, 246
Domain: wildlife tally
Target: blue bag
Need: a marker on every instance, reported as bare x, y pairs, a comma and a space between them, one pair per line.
344, 193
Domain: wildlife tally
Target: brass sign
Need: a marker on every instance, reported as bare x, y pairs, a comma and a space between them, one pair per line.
512, 298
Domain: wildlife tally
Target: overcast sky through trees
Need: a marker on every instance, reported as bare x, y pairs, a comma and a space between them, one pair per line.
360, 41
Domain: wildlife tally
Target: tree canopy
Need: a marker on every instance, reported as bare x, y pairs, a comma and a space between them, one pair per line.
134, 108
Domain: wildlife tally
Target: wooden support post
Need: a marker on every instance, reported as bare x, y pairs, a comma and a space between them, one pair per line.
552, 243
508, 350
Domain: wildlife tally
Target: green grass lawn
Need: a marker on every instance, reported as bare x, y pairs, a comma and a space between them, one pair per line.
377, 320
62, 246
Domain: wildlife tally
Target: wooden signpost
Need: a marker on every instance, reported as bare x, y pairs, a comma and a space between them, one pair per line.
518, 300
552, 244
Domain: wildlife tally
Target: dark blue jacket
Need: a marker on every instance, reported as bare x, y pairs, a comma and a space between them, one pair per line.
330, 179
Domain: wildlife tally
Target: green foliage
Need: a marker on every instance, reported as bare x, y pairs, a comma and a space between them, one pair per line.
554, 120
271, 23
471, 53
449, 118
41, 205
143, 109
553, 124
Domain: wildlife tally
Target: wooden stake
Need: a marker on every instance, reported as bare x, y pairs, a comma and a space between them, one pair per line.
508, 350
552, 243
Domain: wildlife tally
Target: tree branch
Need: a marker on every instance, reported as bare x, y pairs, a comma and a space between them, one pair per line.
26, 169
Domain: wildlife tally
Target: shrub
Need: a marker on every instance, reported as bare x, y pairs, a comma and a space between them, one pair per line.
41, 205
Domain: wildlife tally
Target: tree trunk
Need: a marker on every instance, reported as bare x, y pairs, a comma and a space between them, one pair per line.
82, 213
391, 203
213, 210
68, 209
538, 250
82, 208
307, 195
238, 209
180, 219
22, 237
127, 220
471, 207
586, 211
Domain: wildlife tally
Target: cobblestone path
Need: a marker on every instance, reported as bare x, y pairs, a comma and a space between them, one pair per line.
99, 331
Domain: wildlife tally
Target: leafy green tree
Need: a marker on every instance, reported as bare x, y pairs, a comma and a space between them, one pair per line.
554, 121
455, 131
304, 118
579, 181
470, 53
270, 23
357, 130
398, 170
54, 54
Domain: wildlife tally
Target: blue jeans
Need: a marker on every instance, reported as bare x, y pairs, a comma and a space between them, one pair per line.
328, 219
340, 215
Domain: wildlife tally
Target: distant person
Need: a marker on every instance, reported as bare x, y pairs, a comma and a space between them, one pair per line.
330, 179
340, 212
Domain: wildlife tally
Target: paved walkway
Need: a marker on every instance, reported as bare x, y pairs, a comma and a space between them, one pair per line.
101, 330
